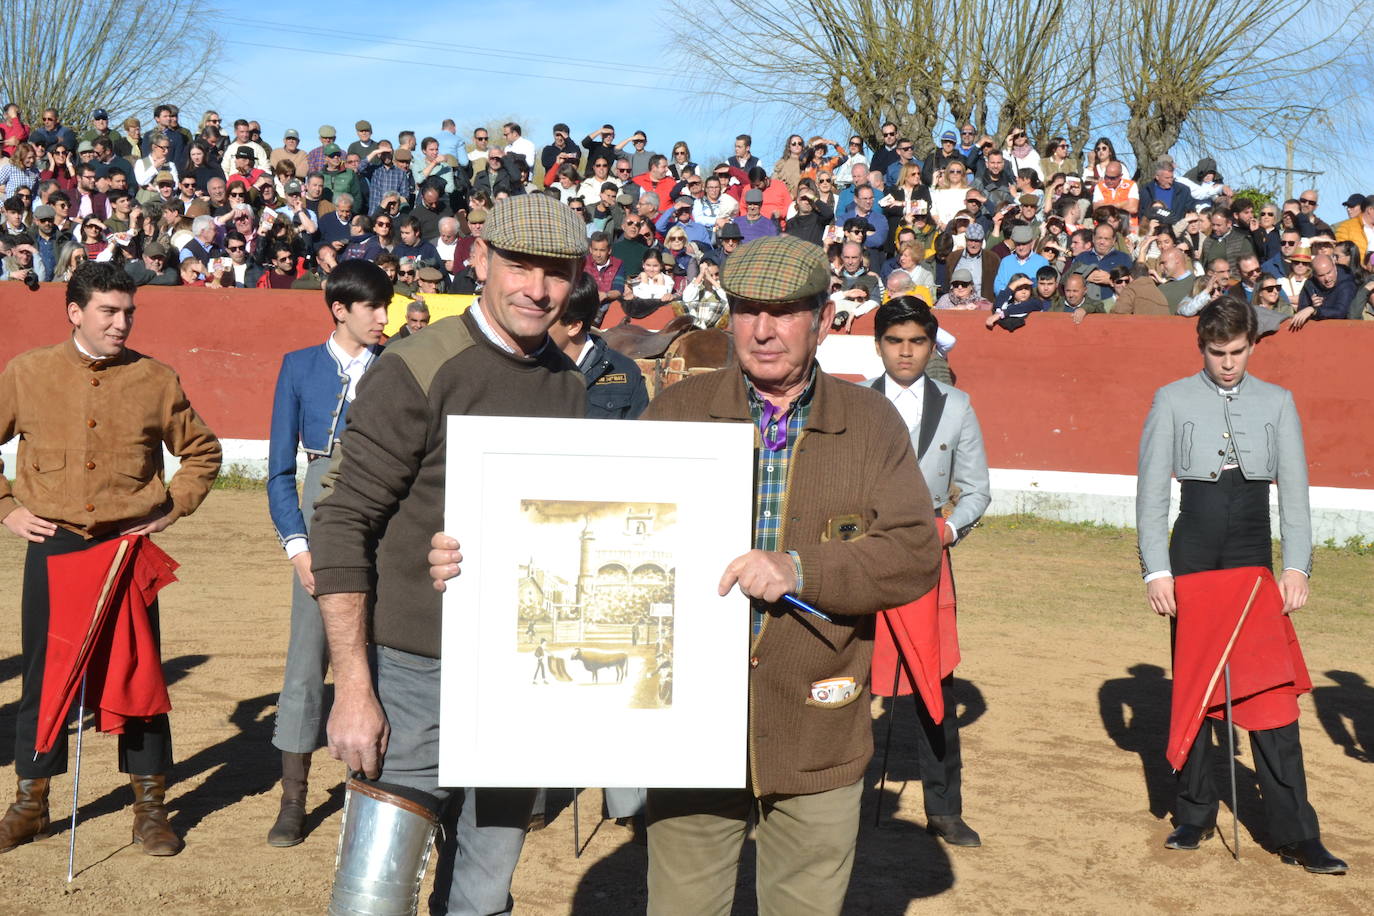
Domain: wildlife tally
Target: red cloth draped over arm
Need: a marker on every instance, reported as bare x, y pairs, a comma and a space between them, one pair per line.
916, 645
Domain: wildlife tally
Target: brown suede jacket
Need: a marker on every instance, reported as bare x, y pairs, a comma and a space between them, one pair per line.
91, 435
852, 464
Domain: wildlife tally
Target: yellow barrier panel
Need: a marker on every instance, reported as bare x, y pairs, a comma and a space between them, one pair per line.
441, 305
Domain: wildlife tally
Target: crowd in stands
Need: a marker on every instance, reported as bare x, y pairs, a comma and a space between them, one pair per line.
966, 222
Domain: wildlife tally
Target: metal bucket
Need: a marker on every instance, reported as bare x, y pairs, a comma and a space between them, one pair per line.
384, 847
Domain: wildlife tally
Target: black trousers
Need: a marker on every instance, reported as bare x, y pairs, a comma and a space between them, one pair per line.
145, 748
937, 751
1224, 525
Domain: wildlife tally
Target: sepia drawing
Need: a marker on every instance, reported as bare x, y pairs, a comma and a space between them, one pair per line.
596, 597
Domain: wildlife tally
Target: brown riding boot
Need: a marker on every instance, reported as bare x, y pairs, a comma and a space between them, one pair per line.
151, 828
290, 826
27, 818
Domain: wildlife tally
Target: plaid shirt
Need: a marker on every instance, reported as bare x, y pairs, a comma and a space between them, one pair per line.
771, 473
382, 180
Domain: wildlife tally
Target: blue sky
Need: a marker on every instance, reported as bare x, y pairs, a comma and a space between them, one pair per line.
540, 63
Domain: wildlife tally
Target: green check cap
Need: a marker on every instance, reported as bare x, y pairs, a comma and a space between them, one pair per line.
536, 224
779, 268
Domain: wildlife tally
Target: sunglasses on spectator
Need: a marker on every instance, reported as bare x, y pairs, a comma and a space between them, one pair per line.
236, 247
904, 149
824, 181
382, 224
1308, 201
1284, 243
238, 193
1269, 287
963, 283
48, 119
966, 133
577, 209
406, 273
796, 143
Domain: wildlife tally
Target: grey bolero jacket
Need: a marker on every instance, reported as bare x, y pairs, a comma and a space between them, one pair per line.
1186, 435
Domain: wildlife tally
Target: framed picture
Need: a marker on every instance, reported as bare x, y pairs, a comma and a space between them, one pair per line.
584, 643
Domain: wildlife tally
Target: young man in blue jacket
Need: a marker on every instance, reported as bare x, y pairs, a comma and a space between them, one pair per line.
314, 390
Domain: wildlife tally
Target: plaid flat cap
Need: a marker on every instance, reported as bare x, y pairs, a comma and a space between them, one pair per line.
536, 224
779, 268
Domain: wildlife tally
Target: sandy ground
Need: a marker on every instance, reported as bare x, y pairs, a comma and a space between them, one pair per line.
1063, 699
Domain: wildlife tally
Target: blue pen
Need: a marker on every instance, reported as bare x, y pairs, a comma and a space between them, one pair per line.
803, 606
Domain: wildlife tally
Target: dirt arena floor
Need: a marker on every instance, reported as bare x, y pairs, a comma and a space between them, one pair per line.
1063, 699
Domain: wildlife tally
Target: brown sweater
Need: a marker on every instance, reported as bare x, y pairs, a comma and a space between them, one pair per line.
91, 435
386, 495
852, 462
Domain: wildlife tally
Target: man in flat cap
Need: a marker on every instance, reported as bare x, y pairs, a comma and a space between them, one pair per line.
842, 522
381, 615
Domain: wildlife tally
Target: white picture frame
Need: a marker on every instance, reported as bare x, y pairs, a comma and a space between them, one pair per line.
524, 494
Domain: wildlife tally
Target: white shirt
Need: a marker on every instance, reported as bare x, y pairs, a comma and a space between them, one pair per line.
707, 212
353, 366
525, 148
909, 401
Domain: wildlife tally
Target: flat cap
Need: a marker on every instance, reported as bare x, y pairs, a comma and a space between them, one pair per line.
431, 274
401, 154
155, 249
477, 216
753, 196
85, 146
777, 268
327, 130
536, 224
43, 211
363, 125
1022, 234
291, 134
730, 231
975, 231
1028, 200
962, 275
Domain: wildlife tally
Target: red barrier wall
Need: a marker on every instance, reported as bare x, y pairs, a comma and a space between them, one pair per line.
1052, 396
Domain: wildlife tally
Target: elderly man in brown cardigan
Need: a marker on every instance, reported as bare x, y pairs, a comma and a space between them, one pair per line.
842, 522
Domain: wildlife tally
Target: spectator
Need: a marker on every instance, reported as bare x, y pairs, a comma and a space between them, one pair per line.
1021, 155
364, 144
812, 217
886, 153
601, 143
20, 172
1269, 295
1097, 263
652, 284
1103, 153
1204, 182
413, 244
680, 164
500, 176
703, 300
52, 131
980, 265
1114, 190
744, 159
1162, 200
389, 171
752, 224
863, 209
681, 215
993, 173
1330, 294
13, 130
843, 173
1358, 229
517, 144
282, 269
158, 161
605, 270
1178, 279
1022, 261
1015, 303
1136, 293
338, 179
715, 206
636, 237
1225, 242
1073, 298
962, 294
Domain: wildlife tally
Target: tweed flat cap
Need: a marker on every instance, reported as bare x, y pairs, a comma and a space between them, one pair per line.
536, 224
779, 268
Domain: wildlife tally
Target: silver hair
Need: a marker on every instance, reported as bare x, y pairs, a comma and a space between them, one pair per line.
201, 223
340, 198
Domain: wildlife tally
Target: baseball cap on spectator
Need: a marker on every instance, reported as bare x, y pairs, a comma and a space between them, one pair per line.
327, 132
730, 231
402, 155
333, 149
291, 134
85, 146
753, 196
362, 125
976, 232
155, 250
431, 274
1022, 234
777, 268
477, 216
243, 152
949, 135
130, 123
43, 211
101, 169
293, 186
536, 224
1356, 200
100, 114
962, 275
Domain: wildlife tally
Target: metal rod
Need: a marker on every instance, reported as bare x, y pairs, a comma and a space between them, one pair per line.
577, 842
891, 714
76, 778
1231, 758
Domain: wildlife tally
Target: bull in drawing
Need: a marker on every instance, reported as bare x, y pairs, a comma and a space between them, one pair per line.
594, 661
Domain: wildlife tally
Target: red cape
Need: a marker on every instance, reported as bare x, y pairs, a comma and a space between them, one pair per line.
918, 643
1267, 668
98, 626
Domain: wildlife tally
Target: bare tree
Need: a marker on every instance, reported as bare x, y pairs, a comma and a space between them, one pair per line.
121, 55
1220, 73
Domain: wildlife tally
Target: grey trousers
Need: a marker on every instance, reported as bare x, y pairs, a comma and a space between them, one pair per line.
483, 829
620, 802
300, 706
